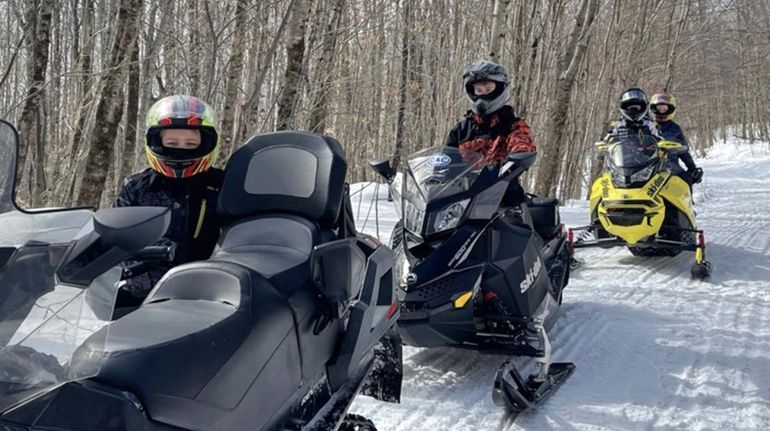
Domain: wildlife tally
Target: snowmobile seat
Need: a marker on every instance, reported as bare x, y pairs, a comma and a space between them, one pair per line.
545, 216
283, 195
239, 329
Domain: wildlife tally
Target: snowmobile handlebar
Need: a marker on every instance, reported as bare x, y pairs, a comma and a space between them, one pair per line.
147, 259
155, 253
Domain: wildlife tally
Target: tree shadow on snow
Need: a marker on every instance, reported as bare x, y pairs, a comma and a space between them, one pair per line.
640, 369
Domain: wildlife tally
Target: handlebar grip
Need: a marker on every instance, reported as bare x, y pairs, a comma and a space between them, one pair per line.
155, 253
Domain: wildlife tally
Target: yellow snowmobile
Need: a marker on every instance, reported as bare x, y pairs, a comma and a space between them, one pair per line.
637, 202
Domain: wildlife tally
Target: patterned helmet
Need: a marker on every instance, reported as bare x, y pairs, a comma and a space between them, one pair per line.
181, 112
663, 99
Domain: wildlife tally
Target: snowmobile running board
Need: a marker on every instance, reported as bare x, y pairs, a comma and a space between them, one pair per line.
335, 409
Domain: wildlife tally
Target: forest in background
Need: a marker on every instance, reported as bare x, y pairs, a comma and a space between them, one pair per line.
383, 77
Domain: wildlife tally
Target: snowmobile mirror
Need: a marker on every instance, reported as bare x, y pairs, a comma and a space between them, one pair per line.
670, 146
131, 228
117, 232
523, 160
383, 168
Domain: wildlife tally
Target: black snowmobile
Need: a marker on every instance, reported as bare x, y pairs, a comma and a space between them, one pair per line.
277, 330
477, 272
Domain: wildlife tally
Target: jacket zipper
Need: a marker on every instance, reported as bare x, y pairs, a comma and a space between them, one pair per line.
201, 216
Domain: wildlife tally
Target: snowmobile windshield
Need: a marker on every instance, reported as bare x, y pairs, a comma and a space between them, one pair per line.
42, 322
632, 160
434, 174
632, 152
441, 172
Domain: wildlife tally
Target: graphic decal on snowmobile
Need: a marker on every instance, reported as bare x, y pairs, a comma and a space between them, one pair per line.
531, 276
439, 160
653, 189
461, 251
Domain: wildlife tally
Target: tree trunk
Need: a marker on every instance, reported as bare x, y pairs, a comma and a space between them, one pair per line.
30, 125
292, 78
552, 150
318, 114
398, 152
109, 106
132, 113
84, 93
250, 110
499, 28
232, 85
669, 71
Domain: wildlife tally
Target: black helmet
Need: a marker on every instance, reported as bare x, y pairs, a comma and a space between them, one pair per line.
486, 71
633, 104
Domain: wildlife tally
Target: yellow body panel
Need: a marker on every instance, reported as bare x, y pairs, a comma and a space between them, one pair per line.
636, 214
677, 192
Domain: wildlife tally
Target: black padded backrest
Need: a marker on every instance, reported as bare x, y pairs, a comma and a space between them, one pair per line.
293, 172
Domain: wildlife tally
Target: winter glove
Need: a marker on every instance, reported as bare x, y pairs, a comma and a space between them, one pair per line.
697, 175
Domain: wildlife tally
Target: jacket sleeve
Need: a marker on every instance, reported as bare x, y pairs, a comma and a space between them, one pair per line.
520, 140
680, 136
686, 158
453, 140
125, 197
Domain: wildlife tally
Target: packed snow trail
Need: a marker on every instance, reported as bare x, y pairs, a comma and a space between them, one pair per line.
653, 348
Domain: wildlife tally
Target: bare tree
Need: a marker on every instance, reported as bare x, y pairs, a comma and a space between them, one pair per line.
398, 152
553, 149
132, 114
499, 27
101, 145
326, 65
233, 78
383, 77
295, 54
30, 124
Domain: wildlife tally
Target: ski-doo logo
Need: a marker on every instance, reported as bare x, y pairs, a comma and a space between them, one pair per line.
605, 188
655, 186
439, 160
531, 276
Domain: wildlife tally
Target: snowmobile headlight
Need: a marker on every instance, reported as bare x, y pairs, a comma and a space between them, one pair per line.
643, 175
447, 218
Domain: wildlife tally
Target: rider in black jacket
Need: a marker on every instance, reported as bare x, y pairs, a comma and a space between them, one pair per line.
181, 145
633, 120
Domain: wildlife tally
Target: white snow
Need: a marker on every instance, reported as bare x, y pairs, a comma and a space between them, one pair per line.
653, 349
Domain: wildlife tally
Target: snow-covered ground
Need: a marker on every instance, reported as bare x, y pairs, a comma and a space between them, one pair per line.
653, 349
